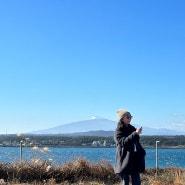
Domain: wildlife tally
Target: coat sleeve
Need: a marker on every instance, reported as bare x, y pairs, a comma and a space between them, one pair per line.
122, 138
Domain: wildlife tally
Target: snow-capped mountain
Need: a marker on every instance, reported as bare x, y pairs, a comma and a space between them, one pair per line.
93, 124
99, 126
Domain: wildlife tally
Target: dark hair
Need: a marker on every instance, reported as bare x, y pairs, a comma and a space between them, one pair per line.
121, 123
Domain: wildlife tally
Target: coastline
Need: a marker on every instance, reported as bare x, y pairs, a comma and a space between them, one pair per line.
59, 146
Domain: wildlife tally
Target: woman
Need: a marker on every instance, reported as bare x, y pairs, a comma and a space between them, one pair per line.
129, 152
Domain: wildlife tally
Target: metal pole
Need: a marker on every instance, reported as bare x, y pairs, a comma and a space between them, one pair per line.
21, 150
157, 155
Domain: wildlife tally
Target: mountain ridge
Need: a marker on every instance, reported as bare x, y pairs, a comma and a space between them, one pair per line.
98, 126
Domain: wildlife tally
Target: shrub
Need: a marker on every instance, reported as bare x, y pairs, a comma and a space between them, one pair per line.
82, 172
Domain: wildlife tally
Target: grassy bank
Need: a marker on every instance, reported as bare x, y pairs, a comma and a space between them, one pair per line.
81, 172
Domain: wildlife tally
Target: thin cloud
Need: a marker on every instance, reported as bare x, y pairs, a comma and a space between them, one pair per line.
178, 126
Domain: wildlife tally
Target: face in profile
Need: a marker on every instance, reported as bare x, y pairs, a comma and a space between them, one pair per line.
127, 118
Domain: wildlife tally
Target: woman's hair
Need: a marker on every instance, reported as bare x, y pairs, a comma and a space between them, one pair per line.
120, 123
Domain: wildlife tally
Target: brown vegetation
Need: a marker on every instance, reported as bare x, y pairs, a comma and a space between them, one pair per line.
80, 172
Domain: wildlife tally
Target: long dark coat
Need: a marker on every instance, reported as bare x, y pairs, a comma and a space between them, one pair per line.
127, 160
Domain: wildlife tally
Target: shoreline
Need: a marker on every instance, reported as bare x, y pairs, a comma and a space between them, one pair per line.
52, 146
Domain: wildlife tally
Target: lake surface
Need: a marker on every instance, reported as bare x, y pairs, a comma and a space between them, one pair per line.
166, 157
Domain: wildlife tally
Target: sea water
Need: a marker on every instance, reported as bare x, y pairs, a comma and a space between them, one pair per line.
58, 156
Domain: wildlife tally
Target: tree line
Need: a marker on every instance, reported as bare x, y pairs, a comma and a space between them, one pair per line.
87, 141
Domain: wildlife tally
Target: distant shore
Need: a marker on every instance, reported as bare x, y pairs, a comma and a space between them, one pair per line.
86, 141
56, 146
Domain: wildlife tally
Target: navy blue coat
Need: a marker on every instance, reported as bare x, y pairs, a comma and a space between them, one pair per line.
128, 161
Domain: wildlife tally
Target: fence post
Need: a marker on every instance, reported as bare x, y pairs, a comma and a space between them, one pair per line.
21, 150
157, 155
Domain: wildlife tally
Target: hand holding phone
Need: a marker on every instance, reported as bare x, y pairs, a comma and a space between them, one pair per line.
139, 130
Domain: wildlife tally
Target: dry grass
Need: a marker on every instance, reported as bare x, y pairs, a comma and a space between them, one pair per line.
164, 176
80, 172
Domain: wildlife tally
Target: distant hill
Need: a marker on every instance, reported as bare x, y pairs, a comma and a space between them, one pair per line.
98, 126
100, 133
93, 124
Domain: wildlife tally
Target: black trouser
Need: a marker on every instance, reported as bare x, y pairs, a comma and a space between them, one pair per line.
135, 176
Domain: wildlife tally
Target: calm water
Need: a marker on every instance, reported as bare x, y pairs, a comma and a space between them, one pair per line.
166, 157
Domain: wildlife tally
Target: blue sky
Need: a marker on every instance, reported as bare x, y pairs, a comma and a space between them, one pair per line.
63, 61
